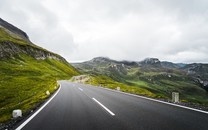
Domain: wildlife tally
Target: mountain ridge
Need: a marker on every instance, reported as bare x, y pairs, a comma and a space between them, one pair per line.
27, 71
14, 29
14, 41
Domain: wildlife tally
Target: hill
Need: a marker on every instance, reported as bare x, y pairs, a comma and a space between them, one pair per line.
158, 77
27, 71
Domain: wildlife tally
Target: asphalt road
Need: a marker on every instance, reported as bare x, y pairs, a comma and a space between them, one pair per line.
83, 107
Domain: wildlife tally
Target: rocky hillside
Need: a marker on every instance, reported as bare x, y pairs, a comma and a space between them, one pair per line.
27, 71
159, 77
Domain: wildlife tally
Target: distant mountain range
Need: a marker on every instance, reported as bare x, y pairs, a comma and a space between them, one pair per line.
197, 71
160, 77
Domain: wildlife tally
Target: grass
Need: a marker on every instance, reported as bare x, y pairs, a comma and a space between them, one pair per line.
189, 92
159, 83
24, 81
104, 81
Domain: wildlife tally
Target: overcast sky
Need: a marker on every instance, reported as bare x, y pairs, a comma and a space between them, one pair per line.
172, 30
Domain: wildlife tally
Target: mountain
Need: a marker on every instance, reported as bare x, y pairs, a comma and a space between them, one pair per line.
167, 64
27, 71
154, 62
159, 77
13, 30
199, 72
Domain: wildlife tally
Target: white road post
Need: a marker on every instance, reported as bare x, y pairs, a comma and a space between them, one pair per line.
47, 92
175, 97
17, 113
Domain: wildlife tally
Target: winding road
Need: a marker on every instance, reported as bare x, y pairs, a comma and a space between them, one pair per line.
84, 107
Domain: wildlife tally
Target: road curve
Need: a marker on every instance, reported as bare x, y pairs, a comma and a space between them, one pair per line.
83, 107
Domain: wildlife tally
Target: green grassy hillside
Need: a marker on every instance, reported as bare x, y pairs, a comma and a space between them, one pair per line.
24, 79
164, 84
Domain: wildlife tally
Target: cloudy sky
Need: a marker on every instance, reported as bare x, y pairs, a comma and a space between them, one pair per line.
172, 30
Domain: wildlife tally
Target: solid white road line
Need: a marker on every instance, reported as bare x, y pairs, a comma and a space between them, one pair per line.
155, 100
29, 119
104, 107
80, 89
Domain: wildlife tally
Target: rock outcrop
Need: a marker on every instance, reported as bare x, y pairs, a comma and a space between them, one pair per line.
150, 62
12, 49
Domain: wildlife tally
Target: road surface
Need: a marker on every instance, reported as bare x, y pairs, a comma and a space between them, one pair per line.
83, 107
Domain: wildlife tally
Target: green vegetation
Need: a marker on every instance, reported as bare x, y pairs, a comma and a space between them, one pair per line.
189, 92
25, 80
104, 81
163, 84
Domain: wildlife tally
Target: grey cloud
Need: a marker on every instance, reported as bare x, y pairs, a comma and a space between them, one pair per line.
131, 30
40, 23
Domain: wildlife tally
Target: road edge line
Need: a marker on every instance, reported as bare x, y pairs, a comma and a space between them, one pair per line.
39, 110
155, 100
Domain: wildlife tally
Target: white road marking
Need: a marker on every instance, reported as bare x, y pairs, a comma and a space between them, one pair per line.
80, 89
104, 107
155, 100
31, 117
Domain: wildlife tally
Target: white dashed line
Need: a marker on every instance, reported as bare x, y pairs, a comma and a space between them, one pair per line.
80, 89
104, 107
